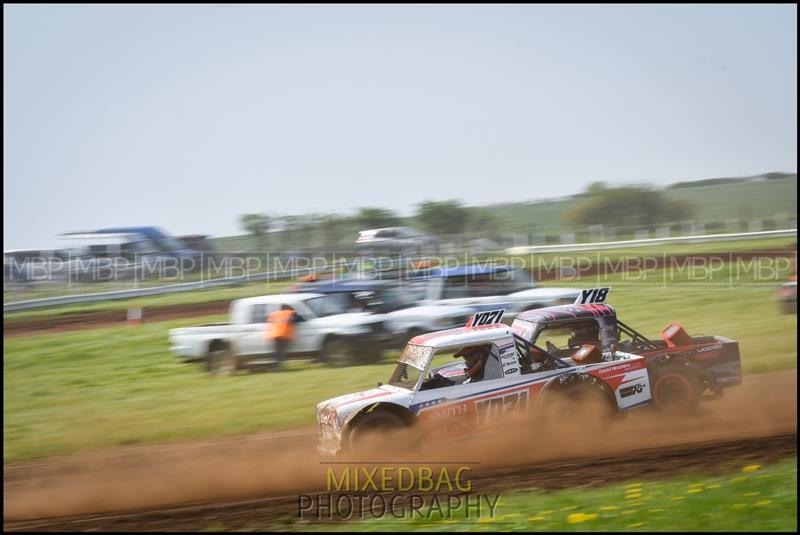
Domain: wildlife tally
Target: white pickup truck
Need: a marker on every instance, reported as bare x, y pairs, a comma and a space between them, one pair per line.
325, 330
443, 298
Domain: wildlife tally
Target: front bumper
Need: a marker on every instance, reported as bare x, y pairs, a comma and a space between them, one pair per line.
329, 442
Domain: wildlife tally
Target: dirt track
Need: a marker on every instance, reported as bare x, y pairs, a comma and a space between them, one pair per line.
756, 421
111, 318
94, 320
270, 513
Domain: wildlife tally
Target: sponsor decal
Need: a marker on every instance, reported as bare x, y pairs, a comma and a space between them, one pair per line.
631, 390
523, 329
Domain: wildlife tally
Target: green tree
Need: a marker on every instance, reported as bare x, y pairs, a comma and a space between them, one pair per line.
369, 218
444, 217
482, 221
626, 206
257, 225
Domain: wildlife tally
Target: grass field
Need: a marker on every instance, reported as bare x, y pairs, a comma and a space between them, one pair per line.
261, 288
83, 390
749, 498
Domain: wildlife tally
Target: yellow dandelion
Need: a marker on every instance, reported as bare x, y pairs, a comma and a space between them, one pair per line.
546, 512
763, 502
637, 525
738, 479
657, 510
676, 498
739, 505
633, 485
694, 491
751, 493
633, 495
485, 520
751, 468
609, 508
536, 518
634, 504
630, 512
713, 486
577, 518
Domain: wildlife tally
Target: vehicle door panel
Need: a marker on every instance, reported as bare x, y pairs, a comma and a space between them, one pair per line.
251, 339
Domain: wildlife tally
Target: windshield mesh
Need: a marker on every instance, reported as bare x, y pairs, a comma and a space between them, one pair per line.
405, 376
416, 356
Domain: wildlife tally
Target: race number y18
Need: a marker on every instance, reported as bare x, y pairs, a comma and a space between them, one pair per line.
592, 296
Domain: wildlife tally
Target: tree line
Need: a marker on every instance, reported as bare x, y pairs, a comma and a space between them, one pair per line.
638, 206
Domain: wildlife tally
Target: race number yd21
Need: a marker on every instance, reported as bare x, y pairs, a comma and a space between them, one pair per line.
490, 410
486, 318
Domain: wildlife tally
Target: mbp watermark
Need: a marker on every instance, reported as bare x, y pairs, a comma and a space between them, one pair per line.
464, 275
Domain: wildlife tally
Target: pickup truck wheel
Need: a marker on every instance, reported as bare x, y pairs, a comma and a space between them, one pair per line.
674, 389
336, 352
577, 409
378, 432
221, 361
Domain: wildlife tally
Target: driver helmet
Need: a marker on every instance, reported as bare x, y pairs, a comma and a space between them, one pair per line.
474, 358
582, 335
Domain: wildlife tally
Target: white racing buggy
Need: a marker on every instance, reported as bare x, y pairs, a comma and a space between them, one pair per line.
499, 371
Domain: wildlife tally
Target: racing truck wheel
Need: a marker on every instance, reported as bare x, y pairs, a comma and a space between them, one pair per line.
674, 388
577, 409
337, 352
221, 360
376, 432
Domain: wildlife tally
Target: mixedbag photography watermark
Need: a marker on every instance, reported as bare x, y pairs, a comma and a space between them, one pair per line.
400, 492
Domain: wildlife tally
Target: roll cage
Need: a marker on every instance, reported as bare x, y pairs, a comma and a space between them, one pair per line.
637, 341
524, 352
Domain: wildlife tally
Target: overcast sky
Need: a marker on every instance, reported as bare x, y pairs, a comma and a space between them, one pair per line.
188, 116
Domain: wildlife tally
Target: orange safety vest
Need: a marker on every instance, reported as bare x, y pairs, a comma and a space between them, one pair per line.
279, 325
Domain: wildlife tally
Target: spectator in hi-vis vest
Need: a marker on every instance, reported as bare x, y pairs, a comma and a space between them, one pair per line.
280, 329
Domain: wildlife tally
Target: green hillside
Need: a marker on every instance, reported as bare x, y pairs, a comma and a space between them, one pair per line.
717, 203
